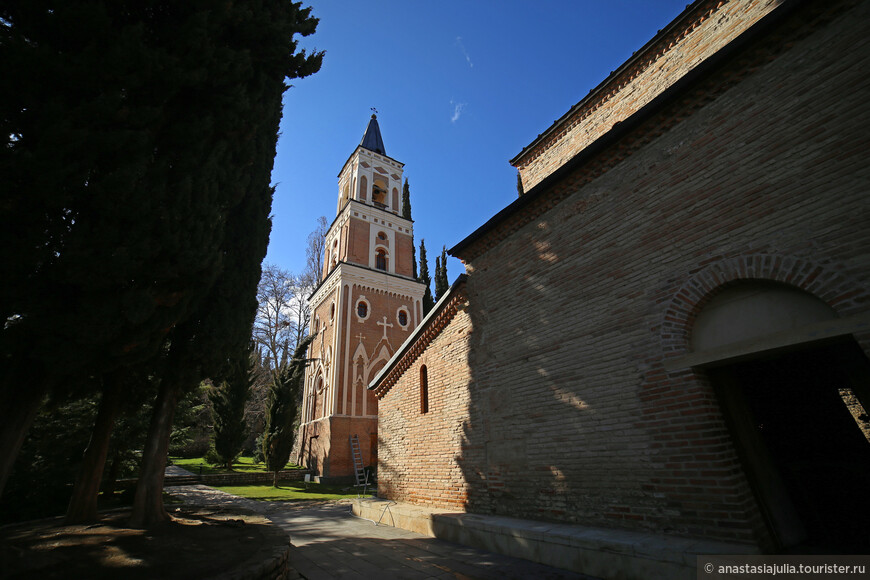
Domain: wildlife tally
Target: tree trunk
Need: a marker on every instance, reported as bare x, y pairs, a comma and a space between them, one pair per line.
275, 479
83, 503
19, 404
112, 477
148, 503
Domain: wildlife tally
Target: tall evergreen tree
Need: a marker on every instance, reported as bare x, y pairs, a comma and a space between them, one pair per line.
129, 139
445, 280
442, 285
228, 403
221, 325
406, 201
437, 278
406, 213
428, 301
281, 406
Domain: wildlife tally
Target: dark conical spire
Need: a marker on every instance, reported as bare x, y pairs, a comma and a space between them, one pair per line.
372, 138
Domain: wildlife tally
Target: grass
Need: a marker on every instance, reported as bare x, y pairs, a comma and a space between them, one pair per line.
241, 465
290, 491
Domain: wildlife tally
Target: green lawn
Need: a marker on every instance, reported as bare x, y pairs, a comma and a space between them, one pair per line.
290, 491
241, 465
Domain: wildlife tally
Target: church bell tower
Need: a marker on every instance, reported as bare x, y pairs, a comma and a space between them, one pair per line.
365, 306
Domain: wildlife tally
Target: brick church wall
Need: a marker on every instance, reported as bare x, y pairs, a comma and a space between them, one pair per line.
404, 248
358, 242
639, 81
758, 172
426, 470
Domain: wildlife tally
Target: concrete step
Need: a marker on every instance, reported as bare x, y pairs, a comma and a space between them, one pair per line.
602, 553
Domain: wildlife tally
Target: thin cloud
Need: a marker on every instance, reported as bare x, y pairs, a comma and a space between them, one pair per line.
457, 110
464, 52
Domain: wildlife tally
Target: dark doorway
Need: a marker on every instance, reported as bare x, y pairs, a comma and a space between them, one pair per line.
800, 427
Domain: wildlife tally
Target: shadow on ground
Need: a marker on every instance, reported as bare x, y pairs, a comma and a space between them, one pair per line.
199, 542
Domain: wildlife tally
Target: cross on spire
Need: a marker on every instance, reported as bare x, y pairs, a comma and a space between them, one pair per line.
385, 324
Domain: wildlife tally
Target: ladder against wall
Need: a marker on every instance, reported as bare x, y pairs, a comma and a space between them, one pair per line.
357, 460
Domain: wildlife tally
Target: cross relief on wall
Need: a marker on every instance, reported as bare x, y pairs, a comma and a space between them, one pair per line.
386, 325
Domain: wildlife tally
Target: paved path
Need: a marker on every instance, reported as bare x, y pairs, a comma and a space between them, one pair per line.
329, 542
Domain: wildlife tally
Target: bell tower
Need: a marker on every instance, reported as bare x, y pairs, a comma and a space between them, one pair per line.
365, 306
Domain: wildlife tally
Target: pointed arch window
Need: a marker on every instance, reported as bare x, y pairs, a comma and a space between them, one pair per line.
424, 390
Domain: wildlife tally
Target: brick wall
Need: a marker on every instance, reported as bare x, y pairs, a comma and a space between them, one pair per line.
710, 27
579, 418
757, 172
404, 248
419, 452
358, 242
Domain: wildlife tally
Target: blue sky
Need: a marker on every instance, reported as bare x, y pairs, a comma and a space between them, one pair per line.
460, 88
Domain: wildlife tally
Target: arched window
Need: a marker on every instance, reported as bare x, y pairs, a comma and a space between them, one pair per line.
363, 308
317, 403
381, 260
379, 193
424, 390
403, 317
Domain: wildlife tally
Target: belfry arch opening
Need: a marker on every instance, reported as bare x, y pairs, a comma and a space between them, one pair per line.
797, 415
379, 193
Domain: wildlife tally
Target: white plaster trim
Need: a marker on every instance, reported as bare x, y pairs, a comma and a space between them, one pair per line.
407, 314
361, 298
336, 337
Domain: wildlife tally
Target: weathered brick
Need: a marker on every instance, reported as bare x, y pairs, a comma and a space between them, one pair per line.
576, 300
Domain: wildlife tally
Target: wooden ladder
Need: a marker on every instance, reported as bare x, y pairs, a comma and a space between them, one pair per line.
357, 460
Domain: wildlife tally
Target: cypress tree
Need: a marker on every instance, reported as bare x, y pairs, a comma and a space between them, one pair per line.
438, 289
428, 301
281, 406
442, 285
406, 213
406, 201
220, 326
228, 404
129, 140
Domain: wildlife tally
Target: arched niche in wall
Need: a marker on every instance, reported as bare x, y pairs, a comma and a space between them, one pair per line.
794, 398
753, 310
379, 192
